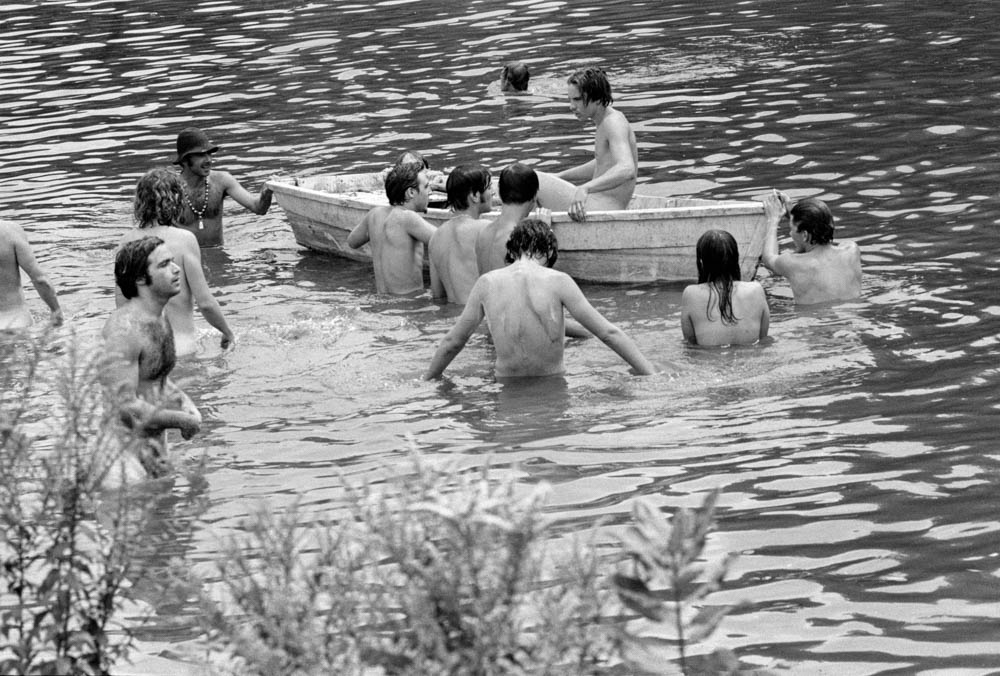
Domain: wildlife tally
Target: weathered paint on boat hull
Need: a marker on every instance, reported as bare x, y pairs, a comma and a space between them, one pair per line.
653, 241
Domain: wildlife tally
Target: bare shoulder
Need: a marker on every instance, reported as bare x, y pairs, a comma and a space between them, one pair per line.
224, 178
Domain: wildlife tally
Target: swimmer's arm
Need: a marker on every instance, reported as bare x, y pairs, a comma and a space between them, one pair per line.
359, 235
774, 209
574, 329
459, 334
609, 334
26, 260
258, 205
687, 323
418, 228
209, 307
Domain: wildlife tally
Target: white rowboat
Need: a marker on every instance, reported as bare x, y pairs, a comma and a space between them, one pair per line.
652, 241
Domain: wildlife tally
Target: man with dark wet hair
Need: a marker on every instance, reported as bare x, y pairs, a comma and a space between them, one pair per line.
452, 249
514, 77
524, 304
819, 270
16, 255
721, 309
398, 233
518, 193
205, 188
140, 350
606, 182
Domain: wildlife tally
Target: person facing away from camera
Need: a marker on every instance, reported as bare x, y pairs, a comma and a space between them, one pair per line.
819, 270
524, 304
158, 208
720, 309
397, 233
452, 249
16, 255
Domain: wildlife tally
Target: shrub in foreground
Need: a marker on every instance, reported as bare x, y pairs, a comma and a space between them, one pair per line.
442, 571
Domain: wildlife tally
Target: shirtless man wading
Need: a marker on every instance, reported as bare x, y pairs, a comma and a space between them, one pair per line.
16, 255
205, 189
397, 232
524, 304
140, 348
819, 270
608, 180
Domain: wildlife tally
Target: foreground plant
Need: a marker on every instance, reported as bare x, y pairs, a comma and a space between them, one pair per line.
440, 571
69, 551
668, 586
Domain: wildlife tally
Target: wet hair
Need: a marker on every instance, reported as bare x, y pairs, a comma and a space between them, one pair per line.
533, 237
813, 216
593, 85
159, 198
719, 267
514, 76
518, 184
132, 264
412, 157
401, 178
465, 179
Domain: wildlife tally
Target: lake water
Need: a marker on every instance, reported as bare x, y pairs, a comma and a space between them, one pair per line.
857, 451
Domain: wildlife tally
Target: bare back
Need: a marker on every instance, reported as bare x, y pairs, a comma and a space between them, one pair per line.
13, 311
829, 272
523, 304
452, 252
701, 321
491, 243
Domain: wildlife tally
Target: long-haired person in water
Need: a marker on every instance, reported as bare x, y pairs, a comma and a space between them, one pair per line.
720, 309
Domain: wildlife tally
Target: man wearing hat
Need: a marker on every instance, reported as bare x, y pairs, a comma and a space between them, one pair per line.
205, 189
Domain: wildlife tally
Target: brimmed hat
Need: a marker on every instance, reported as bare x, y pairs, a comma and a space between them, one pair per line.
193, 141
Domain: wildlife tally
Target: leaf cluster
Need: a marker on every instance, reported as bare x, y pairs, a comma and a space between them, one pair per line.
668, 585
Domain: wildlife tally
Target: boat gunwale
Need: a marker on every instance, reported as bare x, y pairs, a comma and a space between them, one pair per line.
718, 208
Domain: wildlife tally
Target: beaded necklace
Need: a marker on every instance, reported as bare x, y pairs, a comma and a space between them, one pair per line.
198, 212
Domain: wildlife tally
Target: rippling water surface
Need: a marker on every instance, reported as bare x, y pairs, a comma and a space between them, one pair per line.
856, 451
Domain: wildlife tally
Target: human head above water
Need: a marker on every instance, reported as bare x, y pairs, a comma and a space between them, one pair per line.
412, 157
159, 198
514, 77
718, 257
518, 184
463, 180
192, 141
535, 238
132, 264
593, 85
401, 178
812, 216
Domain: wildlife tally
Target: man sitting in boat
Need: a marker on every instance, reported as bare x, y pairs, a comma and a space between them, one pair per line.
524, 304
720, 309
819, 270
608, 180
205, 190
452, 249
397, 232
